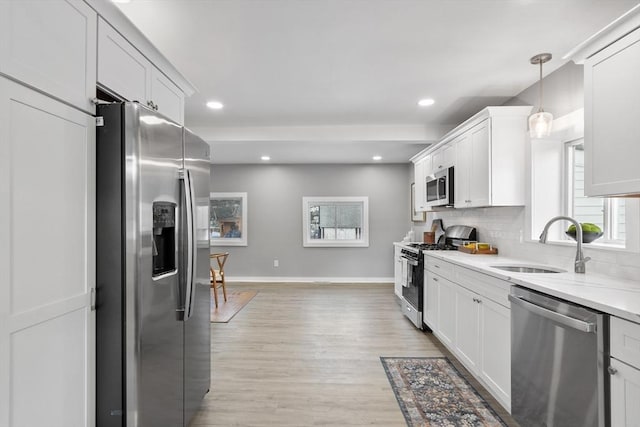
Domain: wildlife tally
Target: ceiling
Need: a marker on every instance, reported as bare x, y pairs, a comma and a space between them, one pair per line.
337, 81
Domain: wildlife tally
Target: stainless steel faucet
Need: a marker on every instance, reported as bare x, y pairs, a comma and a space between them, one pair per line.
580, 259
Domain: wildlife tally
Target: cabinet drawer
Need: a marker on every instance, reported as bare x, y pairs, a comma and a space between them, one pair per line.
625, 341
483, 284
437, 266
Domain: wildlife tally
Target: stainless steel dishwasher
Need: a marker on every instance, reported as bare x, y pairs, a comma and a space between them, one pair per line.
558, 353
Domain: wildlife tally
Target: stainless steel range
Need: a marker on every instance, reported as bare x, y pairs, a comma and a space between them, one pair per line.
413, 269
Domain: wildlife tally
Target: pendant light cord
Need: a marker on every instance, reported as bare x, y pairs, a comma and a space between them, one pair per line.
540, 106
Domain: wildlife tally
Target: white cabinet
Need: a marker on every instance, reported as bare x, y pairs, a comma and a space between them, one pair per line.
611, 119
472, 319
397, 270
420, 168
51, 45
430, 300
126, 73
495, 357
467, 327
47, 260
624, 368
446, 311
472, 173
443, 158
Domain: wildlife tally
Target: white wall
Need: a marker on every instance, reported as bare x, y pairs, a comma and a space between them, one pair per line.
275, 220
506, 228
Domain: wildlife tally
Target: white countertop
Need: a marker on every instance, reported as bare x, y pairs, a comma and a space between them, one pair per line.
617, 297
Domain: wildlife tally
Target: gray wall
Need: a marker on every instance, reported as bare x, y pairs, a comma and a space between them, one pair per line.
563, 91
275, 218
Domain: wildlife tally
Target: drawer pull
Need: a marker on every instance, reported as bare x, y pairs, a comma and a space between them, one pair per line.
612, 370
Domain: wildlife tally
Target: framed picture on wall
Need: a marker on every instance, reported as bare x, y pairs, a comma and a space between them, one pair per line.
228, 219
415, 216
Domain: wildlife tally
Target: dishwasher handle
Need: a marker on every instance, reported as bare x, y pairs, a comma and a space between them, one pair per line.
571, 322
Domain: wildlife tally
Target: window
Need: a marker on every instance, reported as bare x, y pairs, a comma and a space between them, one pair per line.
606, 213
228, 219
335, 221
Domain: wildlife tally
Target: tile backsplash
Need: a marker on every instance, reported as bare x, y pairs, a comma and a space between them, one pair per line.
504, 227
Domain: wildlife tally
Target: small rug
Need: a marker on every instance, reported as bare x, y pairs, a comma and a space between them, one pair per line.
431, 392
236, 300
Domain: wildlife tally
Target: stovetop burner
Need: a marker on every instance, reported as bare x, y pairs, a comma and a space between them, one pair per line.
434, 247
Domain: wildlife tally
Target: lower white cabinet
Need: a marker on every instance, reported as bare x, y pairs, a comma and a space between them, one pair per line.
397, 271
468, 311
47, 261
624, 370
625, 395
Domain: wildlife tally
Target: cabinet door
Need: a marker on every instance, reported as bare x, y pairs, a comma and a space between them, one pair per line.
611, 119
168, 98
47, 261
625, 395
495, 347
443, 158
51, 45
480, 175
420, 185
446, 312
430, 303
397, 270
122, 70
467, 327
462, 171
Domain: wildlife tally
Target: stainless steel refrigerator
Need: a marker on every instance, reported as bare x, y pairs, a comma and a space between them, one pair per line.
153, 292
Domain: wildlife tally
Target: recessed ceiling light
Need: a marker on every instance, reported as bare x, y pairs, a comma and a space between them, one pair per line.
265, 158
377, 157
426, 102
215, 105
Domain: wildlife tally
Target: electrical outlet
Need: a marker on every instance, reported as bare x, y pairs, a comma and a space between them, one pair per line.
276, 263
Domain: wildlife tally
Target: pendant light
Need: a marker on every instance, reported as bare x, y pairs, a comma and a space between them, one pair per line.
540, 122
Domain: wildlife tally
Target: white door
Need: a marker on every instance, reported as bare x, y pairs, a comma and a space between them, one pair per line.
467, 326
51, 45
480, 177
462, 171
168, 98
495, 347
430, 297
47, 261
446, 312
625, 395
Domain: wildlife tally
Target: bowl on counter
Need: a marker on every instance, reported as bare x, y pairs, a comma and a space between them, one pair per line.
587, 236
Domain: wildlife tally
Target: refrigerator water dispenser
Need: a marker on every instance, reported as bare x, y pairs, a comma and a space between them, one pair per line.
164, 237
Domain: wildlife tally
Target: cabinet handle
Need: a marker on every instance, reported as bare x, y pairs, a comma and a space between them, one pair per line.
440, 167
612, 370
435, 279
436, 265
477, 300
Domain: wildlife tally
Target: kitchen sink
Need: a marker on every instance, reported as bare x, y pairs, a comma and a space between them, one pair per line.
528, 269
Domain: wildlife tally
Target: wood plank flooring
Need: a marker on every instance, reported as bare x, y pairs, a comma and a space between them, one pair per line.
308, 355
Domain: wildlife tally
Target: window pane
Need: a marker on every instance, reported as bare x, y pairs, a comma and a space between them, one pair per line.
585, 209
335, 222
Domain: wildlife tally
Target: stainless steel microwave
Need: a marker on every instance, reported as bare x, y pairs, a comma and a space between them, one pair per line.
439, 188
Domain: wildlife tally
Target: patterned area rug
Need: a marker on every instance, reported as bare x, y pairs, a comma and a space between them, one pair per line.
236, 300
431, 392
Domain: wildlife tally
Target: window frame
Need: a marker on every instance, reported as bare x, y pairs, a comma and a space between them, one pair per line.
307, 241
231, 241
609, 205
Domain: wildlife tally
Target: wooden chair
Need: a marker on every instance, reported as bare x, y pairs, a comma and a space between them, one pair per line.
217, 275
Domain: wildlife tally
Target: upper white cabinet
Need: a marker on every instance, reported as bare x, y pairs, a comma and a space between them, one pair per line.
611, 119
488, 154
51, 45
125, 72
420, 169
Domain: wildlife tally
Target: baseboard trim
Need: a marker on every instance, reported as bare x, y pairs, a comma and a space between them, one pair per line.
314, 280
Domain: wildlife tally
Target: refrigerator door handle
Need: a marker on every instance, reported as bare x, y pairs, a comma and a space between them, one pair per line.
185, 176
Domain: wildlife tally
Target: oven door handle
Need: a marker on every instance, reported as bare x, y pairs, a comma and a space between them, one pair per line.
410, 261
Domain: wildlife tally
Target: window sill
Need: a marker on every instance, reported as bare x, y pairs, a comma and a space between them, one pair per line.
600, 246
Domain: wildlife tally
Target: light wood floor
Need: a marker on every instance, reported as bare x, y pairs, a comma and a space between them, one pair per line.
309, 355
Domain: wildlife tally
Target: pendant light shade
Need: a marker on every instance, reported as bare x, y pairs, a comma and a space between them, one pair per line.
540, 122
